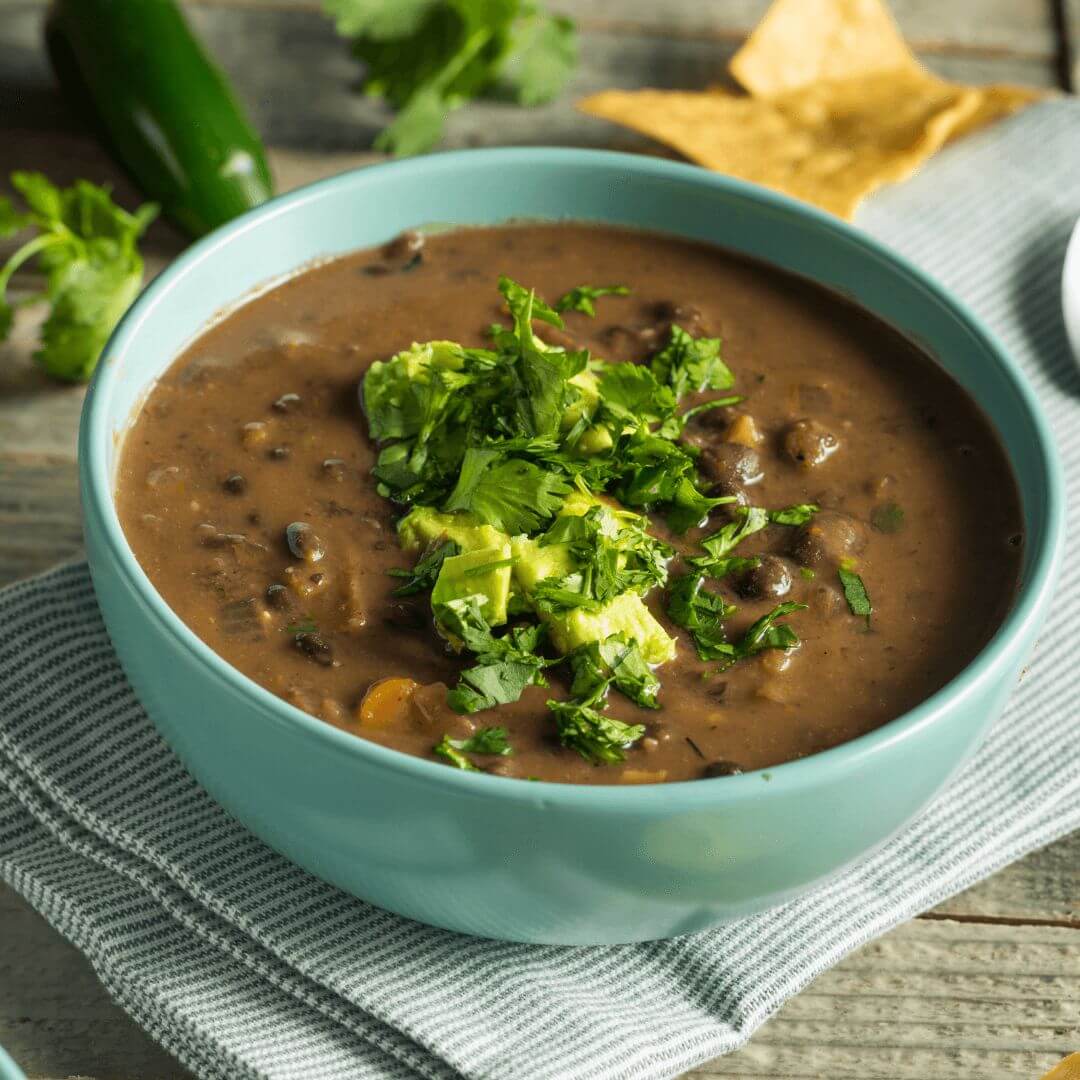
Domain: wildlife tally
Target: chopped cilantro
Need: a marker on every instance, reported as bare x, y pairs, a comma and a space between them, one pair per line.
85, 244
858, 599
487, 740
614, 661
426, 57
689, 364
887, 518
598, 738
582, 297
506, 665
799, 514
421, 578
447, 748
749, 520
767, 633
694, 608
308, 626
513, 495
806, 573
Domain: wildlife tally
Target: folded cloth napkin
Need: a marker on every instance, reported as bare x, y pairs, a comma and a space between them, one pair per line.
242, 965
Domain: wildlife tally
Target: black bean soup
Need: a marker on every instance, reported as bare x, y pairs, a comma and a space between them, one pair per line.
592, 586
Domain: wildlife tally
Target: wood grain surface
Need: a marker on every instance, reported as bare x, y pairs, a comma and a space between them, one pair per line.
987, 986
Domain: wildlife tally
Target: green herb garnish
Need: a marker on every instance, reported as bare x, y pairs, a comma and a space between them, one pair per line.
582, 297
858, 599
689, 365
766, 633
427, 57
421, 578
749, 520
85, 245
308, 626
614, 661
701, 612
487, 740
799, 514
597, 737
887, 518
506, 665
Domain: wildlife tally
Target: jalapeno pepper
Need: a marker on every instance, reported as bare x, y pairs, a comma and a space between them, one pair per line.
136, 71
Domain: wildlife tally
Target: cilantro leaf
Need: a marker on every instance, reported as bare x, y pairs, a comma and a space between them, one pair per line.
694, 608
750, 519
542, 55
427, 57
616, 661
379, 19
447, 749
689, 365
85, 245
487, 740
766, 633
799, 514
421, 578
858, 599
513, 495
506, 665
631, 393
598, 738
582, 298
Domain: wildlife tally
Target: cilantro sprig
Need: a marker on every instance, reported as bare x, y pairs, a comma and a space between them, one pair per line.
583, 298
492, 741
86, 247
427, 57
421, 578
505, 665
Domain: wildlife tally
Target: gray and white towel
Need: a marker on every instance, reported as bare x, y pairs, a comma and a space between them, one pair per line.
242, 965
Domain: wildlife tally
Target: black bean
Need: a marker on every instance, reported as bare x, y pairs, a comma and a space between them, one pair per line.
404, 247
303, 542
685, 316
315, 647
404, 616
279, 453
720, 767
287, 403
731, 466
828, 538
809, 443
277, 596
769, 580
235, 484
334, 468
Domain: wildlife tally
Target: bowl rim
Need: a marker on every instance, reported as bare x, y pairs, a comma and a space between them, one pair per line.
96, 432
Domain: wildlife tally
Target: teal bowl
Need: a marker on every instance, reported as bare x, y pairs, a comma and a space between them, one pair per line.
8, 1069
497, 857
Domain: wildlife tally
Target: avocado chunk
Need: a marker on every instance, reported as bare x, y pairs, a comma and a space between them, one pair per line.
465, 575
626, 614
423, 525
534, 562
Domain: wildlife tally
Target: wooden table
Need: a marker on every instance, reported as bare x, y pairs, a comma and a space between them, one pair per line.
988, 985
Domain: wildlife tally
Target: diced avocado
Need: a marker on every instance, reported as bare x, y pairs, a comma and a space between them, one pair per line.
463, 575
442, 354
422, 525
595, 439
534, 562
586, 404
626, 614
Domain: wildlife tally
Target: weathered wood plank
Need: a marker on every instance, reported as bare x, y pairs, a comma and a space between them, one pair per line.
930, 1001
1069, 44
1003, 26
327, 114
56, 1018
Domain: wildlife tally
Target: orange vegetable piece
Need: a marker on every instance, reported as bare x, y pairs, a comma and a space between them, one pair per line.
387, 703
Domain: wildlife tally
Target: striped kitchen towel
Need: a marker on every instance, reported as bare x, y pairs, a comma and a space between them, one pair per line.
242, 965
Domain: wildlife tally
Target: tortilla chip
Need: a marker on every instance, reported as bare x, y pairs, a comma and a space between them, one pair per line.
801, 42
830, 143
995, 103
